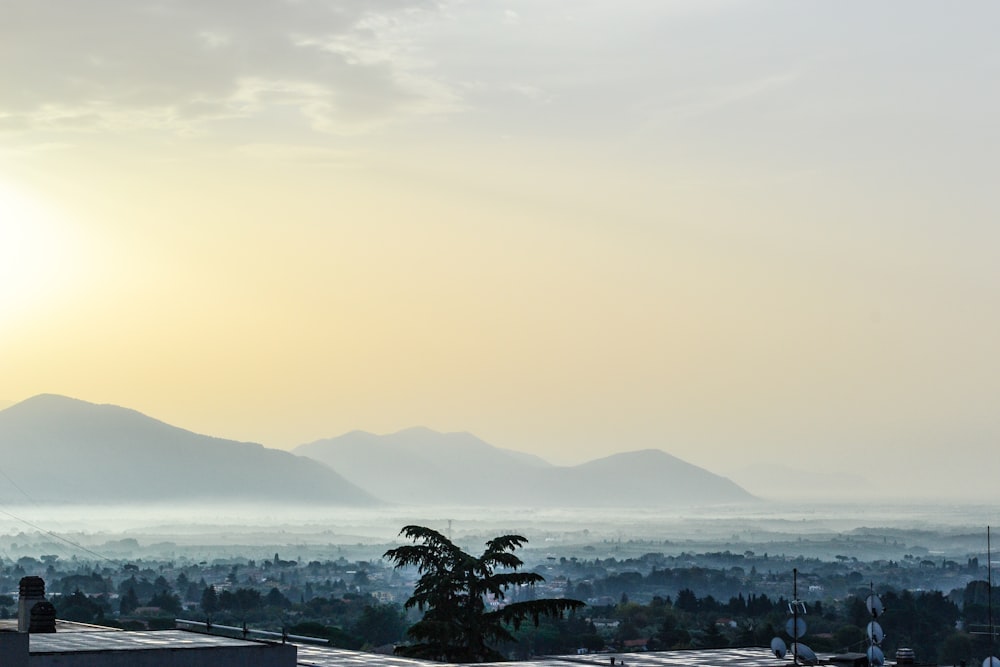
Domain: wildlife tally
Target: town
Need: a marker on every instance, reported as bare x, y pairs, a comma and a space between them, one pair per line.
639, 595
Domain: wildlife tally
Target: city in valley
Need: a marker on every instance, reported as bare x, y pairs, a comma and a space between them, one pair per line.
651, 579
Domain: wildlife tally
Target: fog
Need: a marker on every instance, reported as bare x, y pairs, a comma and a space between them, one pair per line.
199, 531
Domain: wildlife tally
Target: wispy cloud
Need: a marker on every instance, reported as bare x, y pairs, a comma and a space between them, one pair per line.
117, 66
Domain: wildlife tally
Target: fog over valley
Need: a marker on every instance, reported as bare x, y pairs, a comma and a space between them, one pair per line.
203, 529
173, 491
56, 437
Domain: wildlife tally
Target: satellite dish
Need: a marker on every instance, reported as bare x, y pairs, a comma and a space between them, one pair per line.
875, 633
991, 661
874, 605
796, 628
778, 647
875, 656
805, 654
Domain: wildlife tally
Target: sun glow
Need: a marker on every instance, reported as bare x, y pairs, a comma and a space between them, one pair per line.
36, 253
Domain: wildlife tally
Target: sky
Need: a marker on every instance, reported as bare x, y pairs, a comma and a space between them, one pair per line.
760, 236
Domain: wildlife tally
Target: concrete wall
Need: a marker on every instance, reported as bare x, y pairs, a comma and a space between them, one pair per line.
13, 649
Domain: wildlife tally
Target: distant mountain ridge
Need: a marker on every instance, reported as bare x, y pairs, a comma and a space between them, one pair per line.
55, 449
419, 466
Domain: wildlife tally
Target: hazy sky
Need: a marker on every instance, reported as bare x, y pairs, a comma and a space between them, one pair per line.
741, 232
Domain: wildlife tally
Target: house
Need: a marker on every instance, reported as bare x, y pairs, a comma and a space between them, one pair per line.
635, 644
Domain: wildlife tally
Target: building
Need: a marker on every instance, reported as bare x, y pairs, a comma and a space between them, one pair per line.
80, 645
37, 639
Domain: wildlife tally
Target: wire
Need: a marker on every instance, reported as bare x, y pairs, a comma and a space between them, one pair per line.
58, 537
16, 486
39, 528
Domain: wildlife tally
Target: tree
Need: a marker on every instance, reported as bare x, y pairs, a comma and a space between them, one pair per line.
241, 600
956, 649
166, 601
686, 600
274, 598
128, 602
452, 591
712, 638
209, 600
380, 624
671, 635
80, 608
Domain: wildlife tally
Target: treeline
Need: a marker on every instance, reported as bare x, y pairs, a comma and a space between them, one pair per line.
927, 622
720, 583
923, 621
672, 603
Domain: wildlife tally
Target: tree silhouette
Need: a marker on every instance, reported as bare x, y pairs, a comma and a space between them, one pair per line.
209, 600
128, 602
453, 589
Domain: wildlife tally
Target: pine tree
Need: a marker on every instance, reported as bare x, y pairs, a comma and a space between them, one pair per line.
452, 592
209, 600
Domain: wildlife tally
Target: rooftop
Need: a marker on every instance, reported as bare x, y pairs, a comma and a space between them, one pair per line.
71, 642
73, 639
320, 656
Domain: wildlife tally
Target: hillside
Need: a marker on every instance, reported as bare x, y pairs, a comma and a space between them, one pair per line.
419, 466
648, 477
55, 449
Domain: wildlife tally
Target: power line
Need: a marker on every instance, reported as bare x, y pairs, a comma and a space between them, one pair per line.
57, 536
16, 486
43, 530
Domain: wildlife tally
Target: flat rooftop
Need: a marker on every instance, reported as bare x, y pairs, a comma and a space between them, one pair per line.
80, 638
10, 625
74, 642
321, 656
164, 648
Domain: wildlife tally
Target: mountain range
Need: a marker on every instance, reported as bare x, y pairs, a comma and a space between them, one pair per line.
55, 449
421, 466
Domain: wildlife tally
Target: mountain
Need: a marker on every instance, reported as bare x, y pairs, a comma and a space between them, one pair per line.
648, 477
55, 449
419, 466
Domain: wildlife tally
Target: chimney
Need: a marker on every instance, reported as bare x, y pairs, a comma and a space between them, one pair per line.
43, 617
31, 592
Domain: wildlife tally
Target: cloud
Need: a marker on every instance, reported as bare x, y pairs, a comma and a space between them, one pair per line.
123, 65
215, 40
273, 152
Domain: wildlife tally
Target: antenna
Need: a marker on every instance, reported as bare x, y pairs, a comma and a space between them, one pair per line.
795, 615
991, 661
876, 657
778, 647
796, 628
